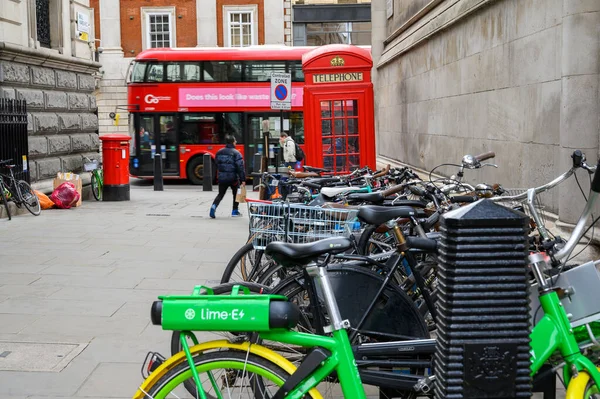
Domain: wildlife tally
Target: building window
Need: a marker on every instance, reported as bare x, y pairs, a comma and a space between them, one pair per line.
158, 27
42, 16
240, 25
357, 33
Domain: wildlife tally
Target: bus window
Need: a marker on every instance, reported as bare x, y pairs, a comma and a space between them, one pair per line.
233, 126
222, 71
296, 70
154, 73
260, 71
173, 72
296, 126
210, 128
132, 148
191, 72
139, 70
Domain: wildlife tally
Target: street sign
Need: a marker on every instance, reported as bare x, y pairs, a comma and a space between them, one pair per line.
281, 91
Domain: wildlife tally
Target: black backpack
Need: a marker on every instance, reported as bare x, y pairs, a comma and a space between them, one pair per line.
299, 152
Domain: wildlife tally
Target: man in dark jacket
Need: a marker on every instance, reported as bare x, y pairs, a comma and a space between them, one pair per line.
230, 174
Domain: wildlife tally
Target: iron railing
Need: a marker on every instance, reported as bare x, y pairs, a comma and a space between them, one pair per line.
13, 136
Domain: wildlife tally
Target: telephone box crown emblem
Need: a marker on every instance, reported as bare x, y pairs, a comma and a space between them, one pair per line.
337, 61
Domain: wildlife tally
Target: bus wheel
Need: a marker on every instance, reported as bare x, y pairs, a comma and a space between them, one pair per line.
195, 170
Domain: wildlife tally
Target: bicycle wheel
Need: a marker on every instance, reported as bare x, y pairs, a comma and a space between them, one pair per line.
234, 374
246, 265
376, 239
96, 187
28, 198
4, 201
401, 319
582, 387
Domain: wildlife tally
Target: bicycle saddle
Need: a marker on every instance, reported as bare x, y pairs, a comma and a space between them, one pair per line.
374, 198
302, 175
314, 169
331, 192
5, 163
373, 214
289, 255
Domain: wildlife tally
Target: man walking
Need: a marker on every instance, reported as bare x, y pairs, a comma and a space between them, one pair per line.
230, 174
289, 150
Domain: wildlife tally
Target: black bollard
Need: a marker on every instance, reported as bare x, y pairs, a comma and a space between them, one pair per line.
207, 172
257, 161
158, 176
483, 304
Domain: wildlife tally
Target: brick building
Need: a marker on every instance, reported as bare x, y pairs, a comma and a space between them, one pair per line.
47, 59
127, 27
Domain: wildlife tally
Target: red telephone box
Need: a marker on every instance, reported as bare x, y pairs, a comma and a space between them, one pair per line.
338, 108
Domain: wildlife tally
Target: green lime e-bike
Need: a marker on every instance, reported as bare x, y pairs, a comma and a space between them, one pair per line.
566, 329
224, 369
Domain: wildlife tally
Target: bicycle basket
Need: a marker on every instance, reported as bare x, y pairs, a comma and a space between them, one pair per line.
298, 223
90, 166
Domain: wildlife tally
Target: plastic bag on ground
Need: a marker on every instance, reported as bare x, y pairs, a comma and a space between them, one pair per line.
45, 201
65, 195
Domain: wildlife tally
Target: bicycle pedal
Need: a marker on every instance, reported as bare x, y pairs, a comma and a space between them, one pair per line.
152, 361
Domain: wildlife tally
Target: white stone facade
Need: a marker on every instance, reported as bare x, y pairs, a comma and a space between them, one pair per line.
518, 77
55, 73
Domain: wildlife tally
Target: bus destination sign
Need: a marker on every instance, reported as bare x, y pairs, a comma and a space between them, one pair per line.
338, 77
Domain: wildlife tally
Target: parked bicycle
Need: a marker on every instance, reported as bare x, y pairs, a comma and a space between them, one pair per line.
563, 341
17, 191
97, 180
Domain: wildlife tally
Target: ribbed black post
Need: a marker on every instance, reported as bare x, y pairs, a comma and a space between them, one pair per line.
158, 175
207, 172
483, 316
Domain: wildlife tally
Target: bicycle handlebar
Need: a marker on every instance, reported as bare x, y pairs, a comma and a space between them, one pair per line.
485, 155
463, 198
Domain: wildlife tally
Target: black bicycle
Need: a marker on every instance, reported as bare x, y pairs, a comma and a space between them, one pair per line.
17, 191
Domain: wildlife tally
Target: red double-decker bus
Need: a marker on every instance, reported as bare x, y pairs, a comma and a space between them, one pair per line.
183, 103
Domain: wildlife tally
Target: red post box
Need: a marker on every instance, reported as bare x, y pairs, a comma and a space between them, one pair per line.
115, 167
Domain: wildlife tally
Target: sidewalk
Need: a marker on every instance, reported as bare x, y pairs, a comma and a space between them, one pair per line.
76, 287
85, 278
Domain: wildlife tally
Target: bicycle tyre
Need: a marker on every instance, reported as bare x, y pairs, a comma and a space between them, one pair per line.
293, 288
229, 360
96, 188
365, 244
582, 387
28, 198
350, 299
5, 201
248, 260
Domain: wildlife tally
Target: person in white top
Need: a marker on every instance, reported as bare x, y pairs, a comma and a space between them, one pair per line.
289, 150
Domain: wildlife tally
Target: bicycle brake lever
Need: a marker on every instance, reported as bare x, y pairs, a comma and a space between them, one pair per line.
590, 169
489, 164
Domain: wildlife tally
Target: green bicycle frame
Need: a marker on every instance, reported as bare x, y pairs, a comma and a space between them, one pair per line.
341, 360
554, 332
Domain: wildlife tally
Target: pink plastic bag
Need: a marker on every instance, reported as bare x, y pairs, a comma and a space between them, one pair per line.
65, 195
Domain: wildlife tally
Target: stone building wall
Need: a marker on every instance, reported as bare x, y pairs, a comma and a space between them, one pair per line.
518, 77
62, 119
